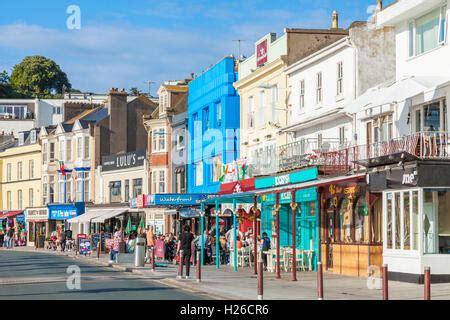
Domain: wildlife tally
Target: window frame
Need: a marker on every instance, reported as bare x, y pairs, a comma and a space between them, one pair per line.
340, 79
319, 88
412, 31
302, 94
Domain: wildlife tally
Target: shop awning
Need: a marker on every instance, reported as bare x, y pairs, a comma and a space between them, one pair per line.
89, 215
10, 214
310, 184
108, 214
170, 212
245, 197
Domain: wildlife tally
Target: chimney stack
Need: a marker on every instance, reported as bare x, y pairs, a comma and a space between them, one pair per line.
379, 5
335, 20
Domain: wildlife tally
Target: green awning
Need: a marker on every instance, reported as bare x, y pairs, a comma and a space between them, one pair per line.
246, 197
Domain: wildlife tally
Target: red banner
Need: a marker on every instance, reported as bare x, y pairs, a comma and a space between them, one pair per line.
261, 53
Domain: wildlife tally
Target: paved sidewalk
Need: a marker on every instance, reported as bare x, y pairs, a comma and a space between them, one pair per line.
227, 284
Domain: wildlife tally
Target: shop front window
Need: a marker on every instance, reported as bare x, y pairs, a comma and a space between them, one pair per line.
345, 214
389, 220
436, 221
402, 214
397, 220
361, 220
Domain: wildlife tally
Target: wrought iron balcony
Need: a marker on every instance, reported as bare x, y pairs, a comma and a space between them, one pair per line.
422, 145
295, 155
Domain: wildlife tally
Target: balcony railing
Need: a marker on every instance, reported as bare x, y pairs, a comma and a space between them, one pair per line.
291, 156
335, 159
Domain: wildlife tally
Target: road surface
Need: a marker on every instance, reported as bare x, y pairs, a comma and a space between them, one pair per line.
28, 275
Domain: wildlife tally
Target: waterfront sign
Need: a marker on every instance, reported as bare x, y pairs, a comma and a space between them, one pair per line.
178, 199
123, 161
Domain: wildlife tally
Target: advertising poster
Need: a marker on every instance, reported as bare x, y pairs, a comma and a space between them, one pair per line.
85, 246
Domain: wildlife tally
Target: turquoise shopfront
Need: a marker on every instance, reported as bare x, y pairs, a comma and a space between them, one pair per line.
306, 223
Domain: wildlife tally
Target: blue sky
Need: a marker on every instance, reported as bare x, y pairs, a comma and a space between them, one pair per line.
123, 43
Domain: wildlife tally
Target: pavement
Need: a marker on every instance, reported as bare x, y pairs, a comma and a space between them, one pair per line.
225, 284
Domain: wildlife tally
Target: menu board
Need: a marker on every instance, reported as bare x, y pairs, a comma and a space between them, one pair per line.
84, 246
96, 238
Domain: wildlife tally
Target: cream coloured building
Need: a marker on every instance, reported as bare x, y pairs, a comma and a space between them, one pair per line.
20, 180
264, 91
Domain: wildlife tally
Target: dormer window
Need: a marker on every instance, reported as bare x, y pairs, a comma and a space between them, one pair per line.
33, 136
21, 138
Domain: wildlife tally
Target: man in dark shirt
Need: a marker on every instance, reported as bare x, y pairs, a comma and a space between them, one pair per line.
184, 245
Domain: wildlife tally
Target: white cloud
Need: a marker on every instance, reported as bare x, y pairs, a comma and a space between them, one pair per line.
99, 57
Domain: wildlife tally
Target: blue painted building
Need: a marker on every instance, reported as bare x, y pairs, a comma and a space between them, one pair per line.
213, 124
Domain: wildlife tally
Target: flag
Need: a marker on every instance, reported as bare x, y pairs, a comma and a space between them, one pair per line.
61, 168
129, 227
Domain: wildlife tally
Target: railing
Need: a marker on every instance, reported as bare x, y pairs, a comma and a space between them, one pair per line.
423, 145
304, 152
333, 159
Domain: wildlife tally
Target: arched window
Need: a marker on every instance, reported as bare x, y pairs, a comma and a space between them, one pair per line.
345, 221
361, 220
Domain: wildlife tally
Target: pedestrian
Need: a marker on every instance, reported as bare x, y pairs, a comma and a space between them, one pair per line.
2, 237
150, 243
115, 246
10, 234
62, 239
265, 247
184, 246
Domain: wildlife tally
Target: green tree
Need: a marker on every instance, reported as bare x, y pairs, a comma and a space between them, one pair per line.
135, 92
5, 85
38, 76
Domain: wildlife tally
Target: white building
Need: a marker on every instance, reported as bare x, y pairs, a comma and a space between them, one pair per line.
323, 83
403, 129
18, 115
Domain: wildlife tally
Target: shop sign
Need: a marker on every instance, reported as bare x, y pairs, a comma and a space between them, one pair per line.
296, 177
36, 214
64, 212
178, 199
123, 161
141, 201
133, 203
84, 246
407, 176
261, 53
189, 213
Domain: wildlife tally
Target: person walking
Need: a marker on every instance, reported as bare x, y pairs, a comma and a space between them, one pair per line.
115, 247
265, 247
10, 234
184, 246
150, 243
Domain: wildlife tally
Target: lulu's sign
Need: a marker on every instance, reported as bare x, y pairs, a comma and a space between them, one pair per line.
261, 53
36, 214
123, 161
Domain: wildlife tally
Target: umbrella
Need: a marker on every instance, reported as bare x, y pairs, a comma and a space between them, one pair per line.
128, 229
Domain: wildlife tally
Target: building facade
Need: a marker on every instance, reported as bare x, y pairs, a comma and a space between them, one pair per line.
165, 148
214, 121
264, 91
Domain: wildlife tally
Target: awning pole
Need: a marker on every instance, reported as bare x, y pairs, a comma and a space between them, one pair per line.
255, 239
202, 232
294, 227
234, 235
217, 234
277, 213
